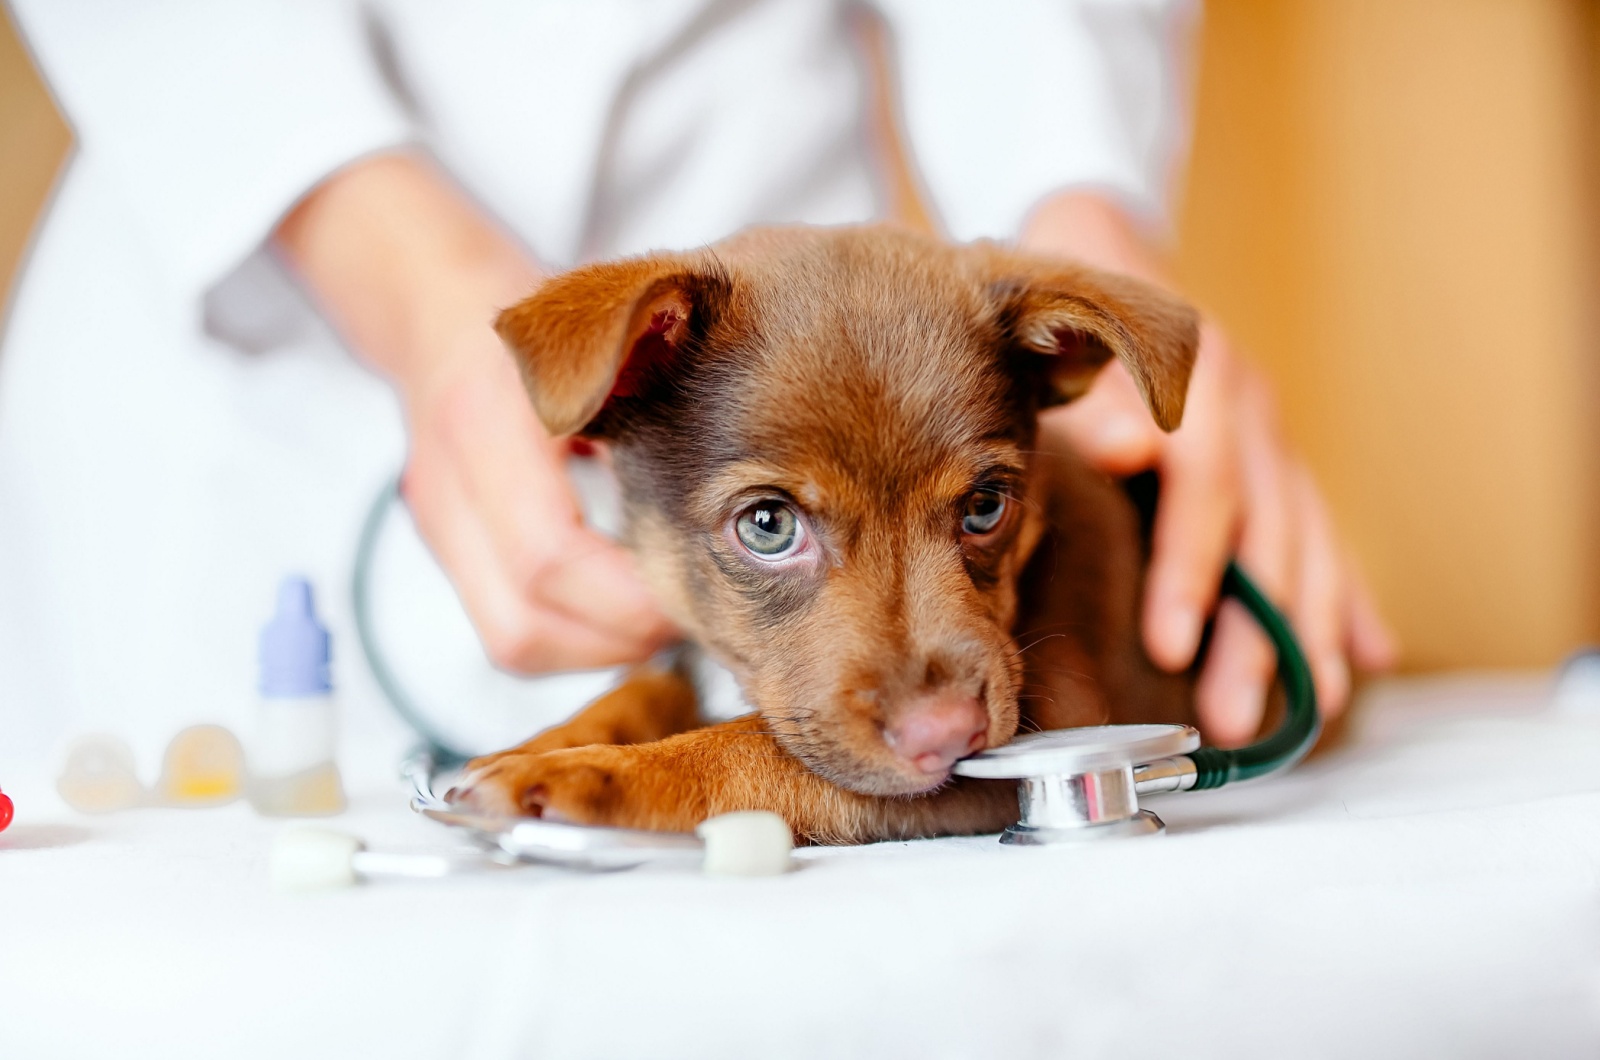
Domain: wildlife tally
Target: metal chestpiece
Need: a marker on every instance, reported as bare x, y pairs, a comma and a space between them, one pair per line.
1078, 784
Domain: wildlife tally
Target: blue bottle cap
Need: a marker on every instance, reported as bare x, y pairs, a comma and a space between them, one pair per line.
294, 646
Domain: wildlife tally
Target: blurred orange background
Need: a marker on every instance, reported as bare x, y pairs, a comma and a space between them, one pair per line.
1393, 204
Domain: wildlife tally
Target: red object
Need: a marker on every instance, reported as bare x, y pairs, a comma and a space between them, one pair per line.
6, 811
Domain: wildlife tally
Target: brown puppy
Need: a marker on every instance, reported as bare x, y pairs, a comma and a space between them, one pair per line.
825, 440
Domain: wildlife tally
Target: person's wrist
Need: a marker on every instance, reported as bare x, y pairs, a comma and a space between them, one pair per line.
453, 342
1090, 227
469, 359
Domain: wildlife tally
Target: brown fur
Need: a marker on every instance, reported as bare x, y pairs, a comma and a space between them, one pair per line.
871, 379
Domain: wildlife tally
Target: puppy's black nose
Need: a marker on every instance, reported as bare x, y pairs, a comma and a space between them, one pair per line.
932, 731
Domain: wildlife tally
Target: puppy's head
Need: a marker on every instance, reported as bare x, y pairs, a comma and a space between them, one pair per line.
822, 438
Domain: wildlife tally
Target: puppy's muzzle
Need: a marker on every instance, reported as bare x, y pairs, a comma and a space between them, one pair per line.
931, 732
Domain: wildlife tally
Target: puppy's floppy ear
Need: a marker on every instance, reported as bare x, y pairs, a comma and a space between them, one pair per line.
608, 331
1081, 317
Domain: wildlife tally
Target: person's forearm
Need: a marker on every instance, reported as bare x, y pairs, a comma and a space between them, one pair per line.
1091, 228
412, 273
405, 265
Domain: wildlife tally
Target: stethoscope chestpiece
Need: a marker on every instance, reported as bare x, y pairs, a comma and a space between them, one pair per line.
1080, 784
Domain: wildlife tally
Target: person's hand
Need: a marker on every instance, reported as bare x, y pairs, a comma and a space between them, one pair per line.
1230, 487
487, 489
412, 272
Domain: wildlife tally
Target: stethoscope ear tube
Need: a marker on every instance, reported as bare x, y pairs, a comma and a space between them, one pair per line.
1215, 766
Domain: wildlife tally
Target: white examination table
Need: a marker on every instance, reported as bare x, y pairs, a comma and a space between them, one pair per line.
1432, 889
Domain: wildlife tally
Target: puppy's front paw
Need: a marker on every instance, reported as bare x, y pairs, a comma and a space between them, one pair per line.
598, 784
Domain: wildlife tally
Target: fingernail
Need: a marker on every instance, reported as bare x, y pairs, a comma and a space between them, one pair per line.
1178, 630
1242, 706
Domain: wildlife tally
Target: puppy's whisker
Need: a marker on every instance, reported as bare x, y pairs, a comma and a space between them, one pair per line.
1032, 644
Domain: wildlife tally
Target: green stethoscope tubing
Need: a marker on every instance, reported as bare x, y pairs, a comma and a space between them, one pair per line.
1295, 735
441, 753
1214, 766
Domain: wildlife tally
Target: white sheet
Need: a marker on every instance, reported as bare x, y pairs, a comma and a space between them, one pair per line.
1432, 889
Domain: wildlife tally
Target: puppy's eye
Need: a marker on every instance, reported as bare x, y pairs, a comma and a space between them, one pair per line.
769, 529
985, 509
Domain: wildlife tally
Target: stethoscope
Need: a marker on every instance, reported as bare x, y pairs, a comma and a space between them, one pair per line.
1073, 785
1080, 784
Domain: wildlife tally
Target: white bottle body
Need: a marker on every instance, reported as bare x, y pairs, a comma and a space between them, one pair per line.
292, 767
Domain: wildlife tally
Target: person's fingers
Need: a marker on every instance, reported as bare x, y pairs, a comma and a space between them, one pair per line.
1320, 609
1193, 537
1196, 520
1231, 695
539, 641
593, 580
1225, 704
513, 479
1109, 427
1373, 645
517, 634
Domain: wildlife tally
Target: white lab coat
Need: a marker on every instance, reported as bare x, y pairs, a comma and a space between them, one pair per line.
177, 429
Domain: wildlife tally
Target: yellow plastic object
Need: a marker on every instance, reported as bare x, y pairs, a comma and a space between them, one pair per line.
100, 776
203, 766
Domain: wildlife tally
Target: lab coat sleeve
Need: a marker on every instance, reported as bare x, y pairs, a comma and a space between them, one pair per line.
212, 118
1007, 101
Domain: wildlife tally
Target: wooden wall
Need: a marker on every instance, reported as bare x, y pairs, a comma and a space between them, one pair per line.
33, 141
1393, 204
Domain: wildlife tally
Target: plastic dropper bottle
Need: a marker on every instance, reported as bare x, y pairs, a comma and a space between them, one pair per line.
292, 768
